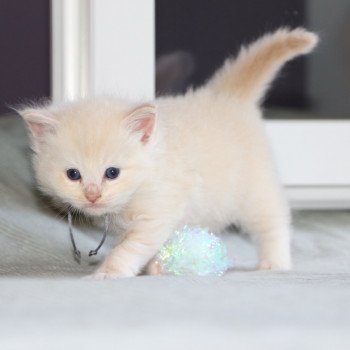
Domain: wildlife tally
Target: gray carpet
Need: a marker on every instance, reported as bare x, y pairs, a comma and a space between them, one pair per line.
45, 305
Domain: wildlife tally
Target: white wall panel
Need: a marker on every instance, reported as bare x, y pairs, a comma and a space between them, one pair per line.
123, 47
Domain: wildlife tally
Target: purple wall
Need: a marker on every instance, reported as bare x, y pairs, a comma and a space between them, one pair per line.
212, 30
24, 51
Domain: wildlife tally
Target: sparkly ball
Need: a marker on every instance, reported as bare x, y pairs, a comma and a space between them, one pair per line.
193, 251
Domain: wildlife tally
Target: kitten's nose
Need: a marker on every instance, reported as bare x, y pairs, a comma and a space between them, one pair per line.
92, 193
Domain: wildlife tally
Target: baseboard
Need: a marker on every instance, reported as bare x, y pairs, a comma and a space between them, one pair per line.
319, 197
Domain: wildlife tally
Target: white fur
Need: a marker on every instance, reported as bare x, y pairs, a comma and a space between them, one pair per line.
207, 161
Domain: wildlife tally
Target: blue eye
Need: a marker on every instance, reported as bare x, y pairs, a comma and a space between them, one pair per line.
73, 174
112, 173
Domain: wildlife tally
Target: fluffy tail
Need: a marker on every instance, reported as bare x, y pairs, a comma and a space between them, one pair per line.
250, 74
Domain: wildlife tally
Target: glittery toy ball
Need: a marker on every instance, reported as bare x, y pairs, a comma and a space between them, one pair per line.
193, 251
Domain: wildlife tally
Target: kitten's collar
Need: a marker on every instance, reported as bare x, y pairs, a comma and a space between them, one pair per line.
76, 251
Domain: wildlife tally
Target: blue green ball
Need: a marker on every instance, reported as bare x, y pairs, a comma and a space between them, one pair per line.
194, 251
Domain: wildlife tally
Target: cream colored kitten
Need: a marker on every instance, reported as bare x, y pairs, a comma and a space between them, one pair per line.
198, 159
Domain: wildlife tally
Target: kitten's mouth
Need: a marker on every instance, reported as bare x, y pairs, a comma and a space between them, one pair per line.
95, 209
95, 206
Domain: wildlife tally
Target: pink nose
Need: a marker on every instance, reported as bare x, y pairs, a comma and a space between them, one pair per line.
92, 193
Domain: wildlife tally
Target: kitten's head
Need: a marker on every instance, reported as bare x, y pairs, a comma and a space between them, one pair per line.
92, 155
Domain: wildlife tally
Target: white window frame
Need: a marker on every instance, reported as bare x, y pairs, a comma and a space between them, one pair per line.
89, 56
70, 49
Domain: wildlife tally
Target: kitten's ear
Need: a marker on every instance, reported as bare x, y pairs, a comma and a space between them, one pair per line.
39, 121
142, 121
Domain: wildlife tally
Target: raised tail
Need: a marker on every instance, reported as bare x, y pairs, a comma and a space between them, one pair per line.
249, 75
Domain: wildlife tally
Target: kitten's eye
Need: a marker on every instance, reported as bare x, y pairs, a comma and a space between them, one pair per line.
112, 173
73, 174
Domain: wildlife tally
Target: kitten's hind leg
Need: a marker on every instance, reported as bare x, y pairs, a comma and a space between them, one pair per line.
266, 218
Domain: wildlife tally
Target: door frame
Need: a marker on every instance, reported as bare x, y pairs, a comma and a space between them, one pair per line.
74, 71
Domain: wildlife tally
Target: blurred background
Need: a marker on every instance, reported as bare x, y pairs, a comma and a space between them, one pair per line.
316, 86
67, 49
25, 59
310, 87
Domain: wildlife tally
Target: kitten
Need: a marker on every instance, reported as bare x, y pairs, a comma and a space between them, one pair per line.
197, 159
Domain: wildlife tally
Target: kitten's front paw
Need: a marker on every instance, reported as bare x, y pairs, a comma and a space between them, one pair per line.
107, 273
99, 276
153, 268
